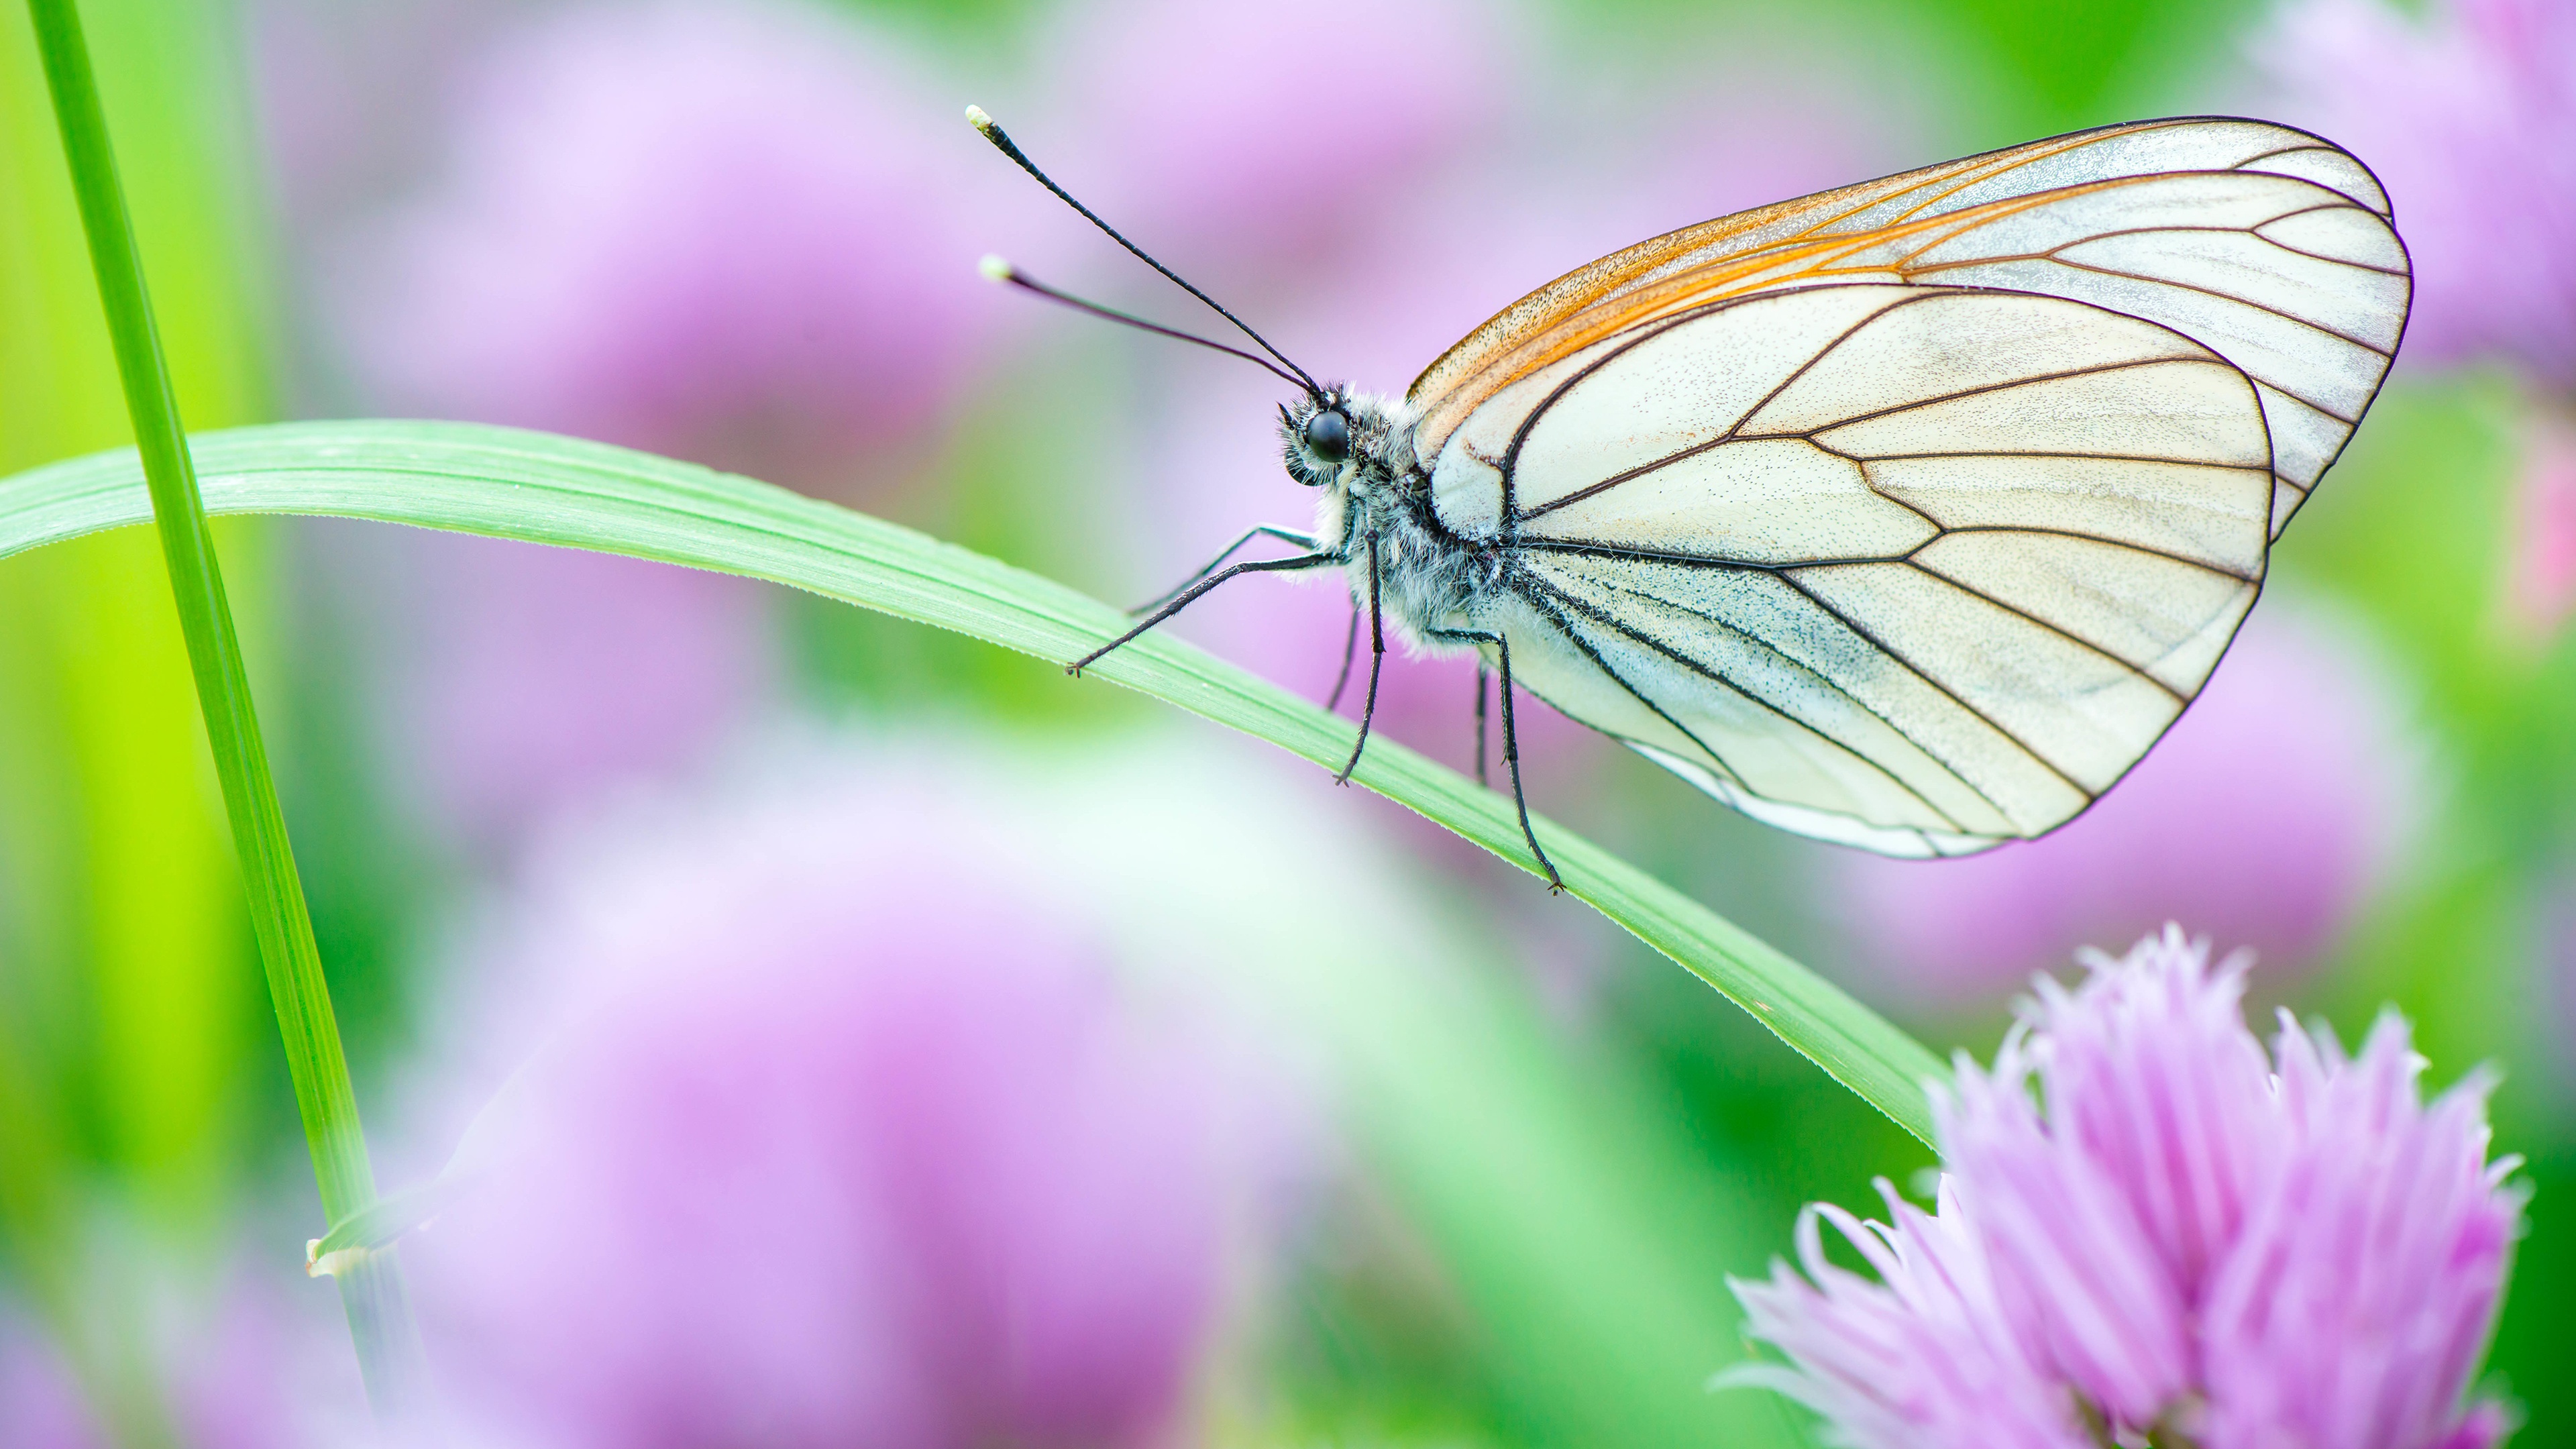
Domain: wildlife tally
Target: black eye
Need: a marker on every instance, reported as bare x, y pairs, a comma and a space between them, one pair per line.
1328, 436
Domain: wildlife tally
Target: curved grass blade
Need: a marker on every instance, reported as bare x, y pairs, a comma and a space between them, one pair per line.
546, 489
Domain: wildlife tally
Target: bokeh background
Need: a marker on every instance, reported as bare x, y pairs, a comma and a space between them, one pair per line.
870, 1038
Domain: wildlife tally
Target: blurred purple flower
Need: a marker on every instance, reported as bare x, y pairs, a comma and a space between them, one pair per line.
2467, 116
2270, 812
1252, 134
520, 681
849, 1135
2185, 1239
726, 232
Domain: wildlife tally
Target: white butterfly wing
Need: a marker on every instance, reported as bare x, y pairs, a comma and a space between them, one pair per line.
2268, 245
2304, 291
1920, 569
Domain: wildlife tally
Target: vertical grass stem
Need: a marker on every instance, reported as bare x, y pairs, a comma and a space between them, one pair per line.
388, 1342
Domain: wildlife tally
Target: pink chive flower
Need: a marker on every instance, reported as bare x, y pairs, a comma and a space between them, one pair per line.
519, 683
2174, 1235
842, 1125
2271, 811
734, 233
2466, 115
1227, 136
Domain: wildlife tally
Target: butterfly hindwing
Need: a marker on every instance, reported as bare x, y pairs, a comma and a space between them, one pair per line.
1916, 568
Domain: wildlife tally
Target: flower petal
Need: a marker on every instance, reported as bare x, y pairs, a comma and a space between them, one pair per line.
2352, 1312
1923, 1359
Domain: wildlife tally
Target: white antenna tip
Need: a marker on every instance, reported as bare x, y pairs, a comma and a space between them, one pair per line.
976, 118
995, 269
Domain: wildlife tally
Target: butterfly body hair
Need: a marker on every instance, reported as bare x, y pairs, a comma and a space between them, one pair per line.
1427, 580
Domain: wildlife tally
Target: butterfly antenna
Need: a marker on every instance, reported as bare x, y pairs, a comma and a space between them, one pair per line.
994, 133
998, 270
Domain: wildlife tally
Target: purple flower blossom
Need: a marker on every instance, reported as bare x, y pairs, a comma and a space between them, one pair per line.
2175, 1236
2270, 811
2466, 116
846, 1131
1246, 134
726, 232
521, 682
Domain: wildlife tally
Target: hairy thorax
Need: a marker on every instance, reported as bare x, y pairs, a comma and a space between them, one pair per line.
1428, 579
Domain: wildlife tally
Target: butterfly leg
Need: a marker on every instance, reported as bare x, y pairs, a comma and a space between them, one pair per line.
1350, 651
1377, 663
1284, 535
1511, 742
1190, 595
1480, 723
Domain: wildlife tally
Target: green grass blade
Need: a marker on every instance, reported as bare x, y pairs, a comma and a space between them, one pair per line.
546, 489
388, 1344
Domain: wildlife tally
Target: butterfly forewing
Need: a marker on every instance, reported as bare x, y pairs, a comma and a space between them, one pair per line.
1916, 568
2263, 243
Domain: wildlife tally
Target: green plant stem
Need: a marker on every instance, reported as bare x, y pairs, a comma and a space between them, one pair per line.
379, 1316
539, 488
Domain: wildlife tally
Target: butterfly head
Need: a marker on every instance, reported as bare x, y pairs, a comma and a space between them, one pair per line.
1337, 435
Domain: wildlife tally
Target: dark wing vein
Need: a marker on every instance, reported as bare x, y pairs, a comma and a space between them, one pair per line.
1520, 434
2325, 149
1731, 435
2255, 231
2331, 261
1611, 622
2061, 631
1594, 548
2268, 155
1512, 455
2040, 453
1597, 548
2032, 380
1812, 672
2308, 322
1919, 672
2055, 260
2042, 529
1966, 180
1566, 627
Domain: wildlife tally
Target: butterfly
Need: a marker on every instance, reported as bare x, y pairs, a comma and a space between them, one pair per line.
1907, 515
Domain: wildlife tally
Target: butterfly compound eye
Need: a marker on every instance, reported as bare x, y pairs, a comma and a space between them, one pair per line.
1328, 436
